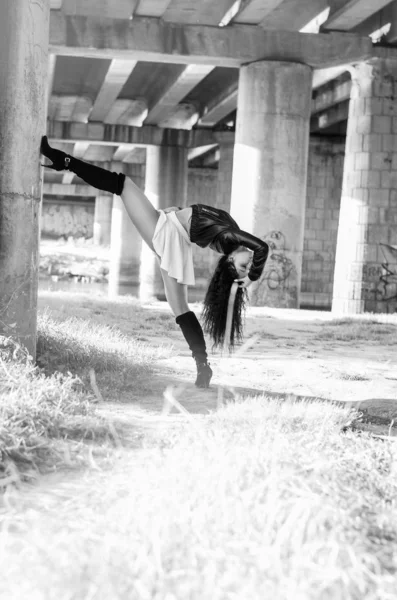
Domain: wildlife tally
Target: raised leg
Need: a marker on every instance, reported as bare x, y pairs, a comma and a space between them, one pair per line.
141, 211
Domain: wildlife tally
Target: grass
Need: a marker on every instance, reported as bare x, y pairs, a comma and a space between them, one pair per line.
43, 418
263, 499
80, 346
373, 330
124, 313
47, 410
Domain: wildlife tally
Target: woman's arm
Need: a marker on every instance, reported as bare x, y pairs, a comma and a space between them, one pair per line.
260, 249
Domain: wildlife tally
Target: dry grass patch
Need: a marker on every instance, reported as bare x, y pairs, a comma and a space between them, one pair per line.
47, 410
43, 420
77, 345
263, 499
124, 312
372, 330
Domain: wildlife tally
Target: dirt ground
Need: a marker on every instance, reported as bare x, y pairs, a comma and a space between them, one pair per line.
283, 356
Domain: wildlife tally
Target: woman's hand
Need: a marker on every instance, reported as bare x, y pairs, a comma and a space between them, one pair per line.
244, 282
171, 209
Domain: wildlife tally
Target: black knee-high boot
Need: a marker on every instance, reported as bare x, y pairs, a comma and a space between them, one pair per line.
194, 336
95, 176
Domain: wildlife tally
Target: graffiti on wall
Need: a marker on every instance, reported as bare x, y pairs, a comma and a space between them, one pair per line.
380, 281
278, 266
277, 285
387, 288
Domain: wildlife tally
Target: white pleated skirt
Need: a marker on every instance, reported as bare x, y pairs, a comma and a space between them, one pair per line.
172, 244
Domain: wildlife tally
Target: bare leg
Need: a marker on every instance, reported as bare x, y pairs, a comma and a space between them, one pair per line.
176, 294
140, 210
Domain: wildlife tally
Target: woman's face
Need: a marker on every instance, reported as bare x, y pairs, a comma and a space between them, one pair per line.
242, 261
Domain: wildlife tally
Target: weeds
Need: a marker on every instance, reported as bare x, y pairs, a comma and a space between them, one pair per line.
263, 499
46, 411
352, 330
38, 413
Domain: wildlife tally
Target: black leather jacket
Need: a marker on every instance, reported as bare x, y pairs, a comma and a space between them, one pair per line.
215, 228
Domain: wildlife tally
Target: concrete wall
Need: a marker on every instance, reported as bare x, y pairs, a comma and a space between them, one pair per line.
324, 187
66, 217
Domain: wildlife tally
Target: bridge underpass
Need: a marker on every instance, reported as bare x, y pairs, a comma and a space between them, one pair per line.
115, 77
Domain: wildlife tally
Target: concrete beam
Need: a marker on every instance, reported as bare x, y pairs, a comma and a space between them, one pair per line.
80, 148
127, 112
197, 152
389, 52
59, 189
55, 4
69, 108
158, 41
122, 151
255, 11
183, 84
220, 107
288, 16
67, 178
211, 159
323, 76
331, 94
99, 154
151, 8
137, 156
114, 135
116, 77
202, 12
332, 116
181, 116
121, 9
375, 21
347, 14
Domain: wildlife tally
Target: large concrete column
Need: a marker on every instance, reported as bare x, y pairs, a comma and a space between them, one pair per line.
24, 34
103, 219
126, 242
165, 185
366, 253
225, 168
269, 171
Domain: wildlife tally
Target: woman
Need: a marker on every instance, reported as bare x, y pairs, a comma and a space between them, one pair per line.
170, 234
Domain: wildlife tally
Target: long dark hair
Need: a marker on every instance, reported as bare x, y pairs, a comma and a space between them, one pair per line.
215, 305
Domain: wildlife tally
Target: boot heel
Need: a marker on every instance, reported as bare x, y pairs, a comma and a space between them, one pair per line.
204, 375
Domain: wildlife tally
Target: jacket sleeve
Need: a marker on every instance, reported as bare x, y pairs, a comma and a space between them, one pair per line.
261, 251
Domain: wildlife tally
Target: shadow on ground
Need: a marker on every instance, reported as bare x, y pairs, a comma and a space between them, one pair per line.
377, 415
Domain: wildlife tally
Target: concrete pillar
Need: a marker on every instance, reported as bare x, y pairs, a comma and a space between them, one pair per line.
324, 189
103, 219
125, 241
166, 175
269, 172
165, 185
24, 34
366, 255
225, 168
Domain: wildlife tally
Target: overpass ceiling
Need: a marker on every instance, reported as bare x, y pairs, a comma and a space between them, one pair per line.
121, 88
